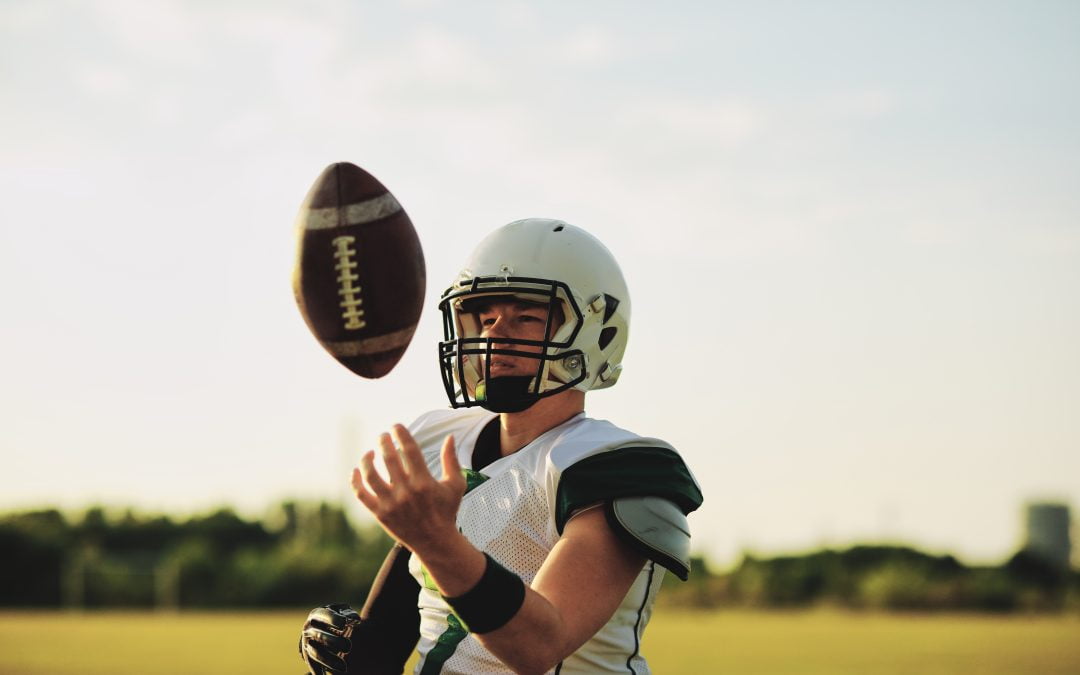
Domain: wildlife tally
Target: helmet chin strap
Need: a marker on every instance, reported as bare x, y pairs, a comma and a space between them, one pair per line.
507, 394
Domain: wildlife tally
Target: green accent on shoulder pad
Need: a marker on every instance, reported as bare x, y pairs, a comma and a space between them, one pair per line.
626, 472
473, 479
445, 646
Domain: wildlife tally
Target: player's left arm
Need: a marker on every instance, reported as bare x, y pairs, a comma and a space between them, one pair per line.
577, 590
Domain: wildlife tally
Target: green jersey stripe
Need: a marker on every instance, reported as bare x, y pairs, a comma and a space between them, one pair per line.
445, 646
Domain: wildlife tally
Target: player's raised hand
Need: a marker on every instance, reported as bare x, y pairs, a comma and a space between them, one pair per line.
412, 505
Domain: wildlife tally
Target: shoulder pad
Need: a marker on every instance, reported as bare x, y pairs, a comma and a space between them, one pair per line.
656, 527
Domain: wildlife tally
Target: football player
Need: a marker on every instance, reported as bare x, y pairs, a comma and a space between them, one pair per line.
530, 537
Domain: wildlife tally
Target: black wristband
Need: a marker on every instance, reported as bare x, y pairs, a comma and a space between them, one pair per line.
492, 602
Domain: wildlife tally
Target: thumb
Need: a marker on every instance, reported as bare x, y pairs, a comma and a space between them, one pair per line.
450, 465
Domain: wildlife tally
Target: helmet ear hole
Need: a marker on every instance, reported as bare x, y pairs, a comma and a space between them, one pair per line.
606, 336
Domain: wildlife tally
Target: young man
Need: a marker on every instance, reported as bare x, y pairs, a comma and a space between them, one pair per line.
531, 538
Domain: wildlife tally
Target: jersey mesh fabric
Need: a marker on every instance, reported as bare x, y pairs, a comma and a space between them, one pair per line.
507, 518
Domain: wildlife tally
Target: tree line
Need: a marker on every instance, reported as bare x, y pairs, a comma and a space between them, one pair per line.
308, 554
300, 555
894, 578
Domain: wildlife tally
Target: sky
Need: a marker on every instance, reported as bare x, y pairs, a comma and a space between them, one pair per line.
851, 233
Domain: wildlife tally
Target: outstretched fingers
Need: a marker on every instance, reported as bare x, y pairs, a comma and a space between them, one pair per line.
369, 500
411, 456
414, 507
392, 459
378, 486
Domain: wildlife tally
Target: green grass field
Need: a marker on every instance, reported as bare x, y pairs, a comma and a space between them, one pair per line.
677, 642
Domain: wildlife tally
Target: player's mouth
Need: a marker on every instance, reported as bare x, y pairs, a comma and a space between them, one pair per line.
507, 366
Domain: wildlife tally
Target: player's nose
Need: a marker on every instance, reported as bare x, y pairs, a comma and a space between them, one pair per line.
498, 328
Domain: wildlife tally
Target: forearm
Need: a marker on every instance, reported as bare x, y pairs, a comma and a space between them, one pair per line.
538, 636
533, 640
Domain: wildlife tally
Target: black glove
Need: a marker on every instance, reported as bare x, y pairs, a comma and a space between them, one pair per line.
324, 641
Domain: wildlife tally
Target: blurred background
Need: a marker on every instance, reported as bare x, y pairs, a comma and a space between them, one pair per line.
851, 233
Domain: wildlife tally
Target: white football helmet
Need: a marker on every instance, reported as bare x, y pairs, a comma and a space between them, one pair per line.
543, 261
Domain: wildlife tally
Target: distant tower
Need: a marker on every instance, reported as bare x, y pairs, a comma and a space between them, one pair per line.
1048, 533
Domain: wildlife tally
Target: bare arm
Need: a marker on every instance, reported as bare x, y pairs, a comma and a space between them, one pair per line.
576, 591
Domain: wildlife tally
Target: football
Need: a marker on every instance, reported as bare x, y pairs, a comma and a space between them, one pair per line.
359, 276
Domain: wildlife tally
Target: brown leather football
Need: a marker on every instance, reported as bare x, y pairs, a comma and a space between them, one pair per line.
359, 277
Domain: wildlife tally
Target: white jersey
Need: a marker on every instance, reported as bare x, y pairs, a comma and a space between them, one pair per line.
510, 512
